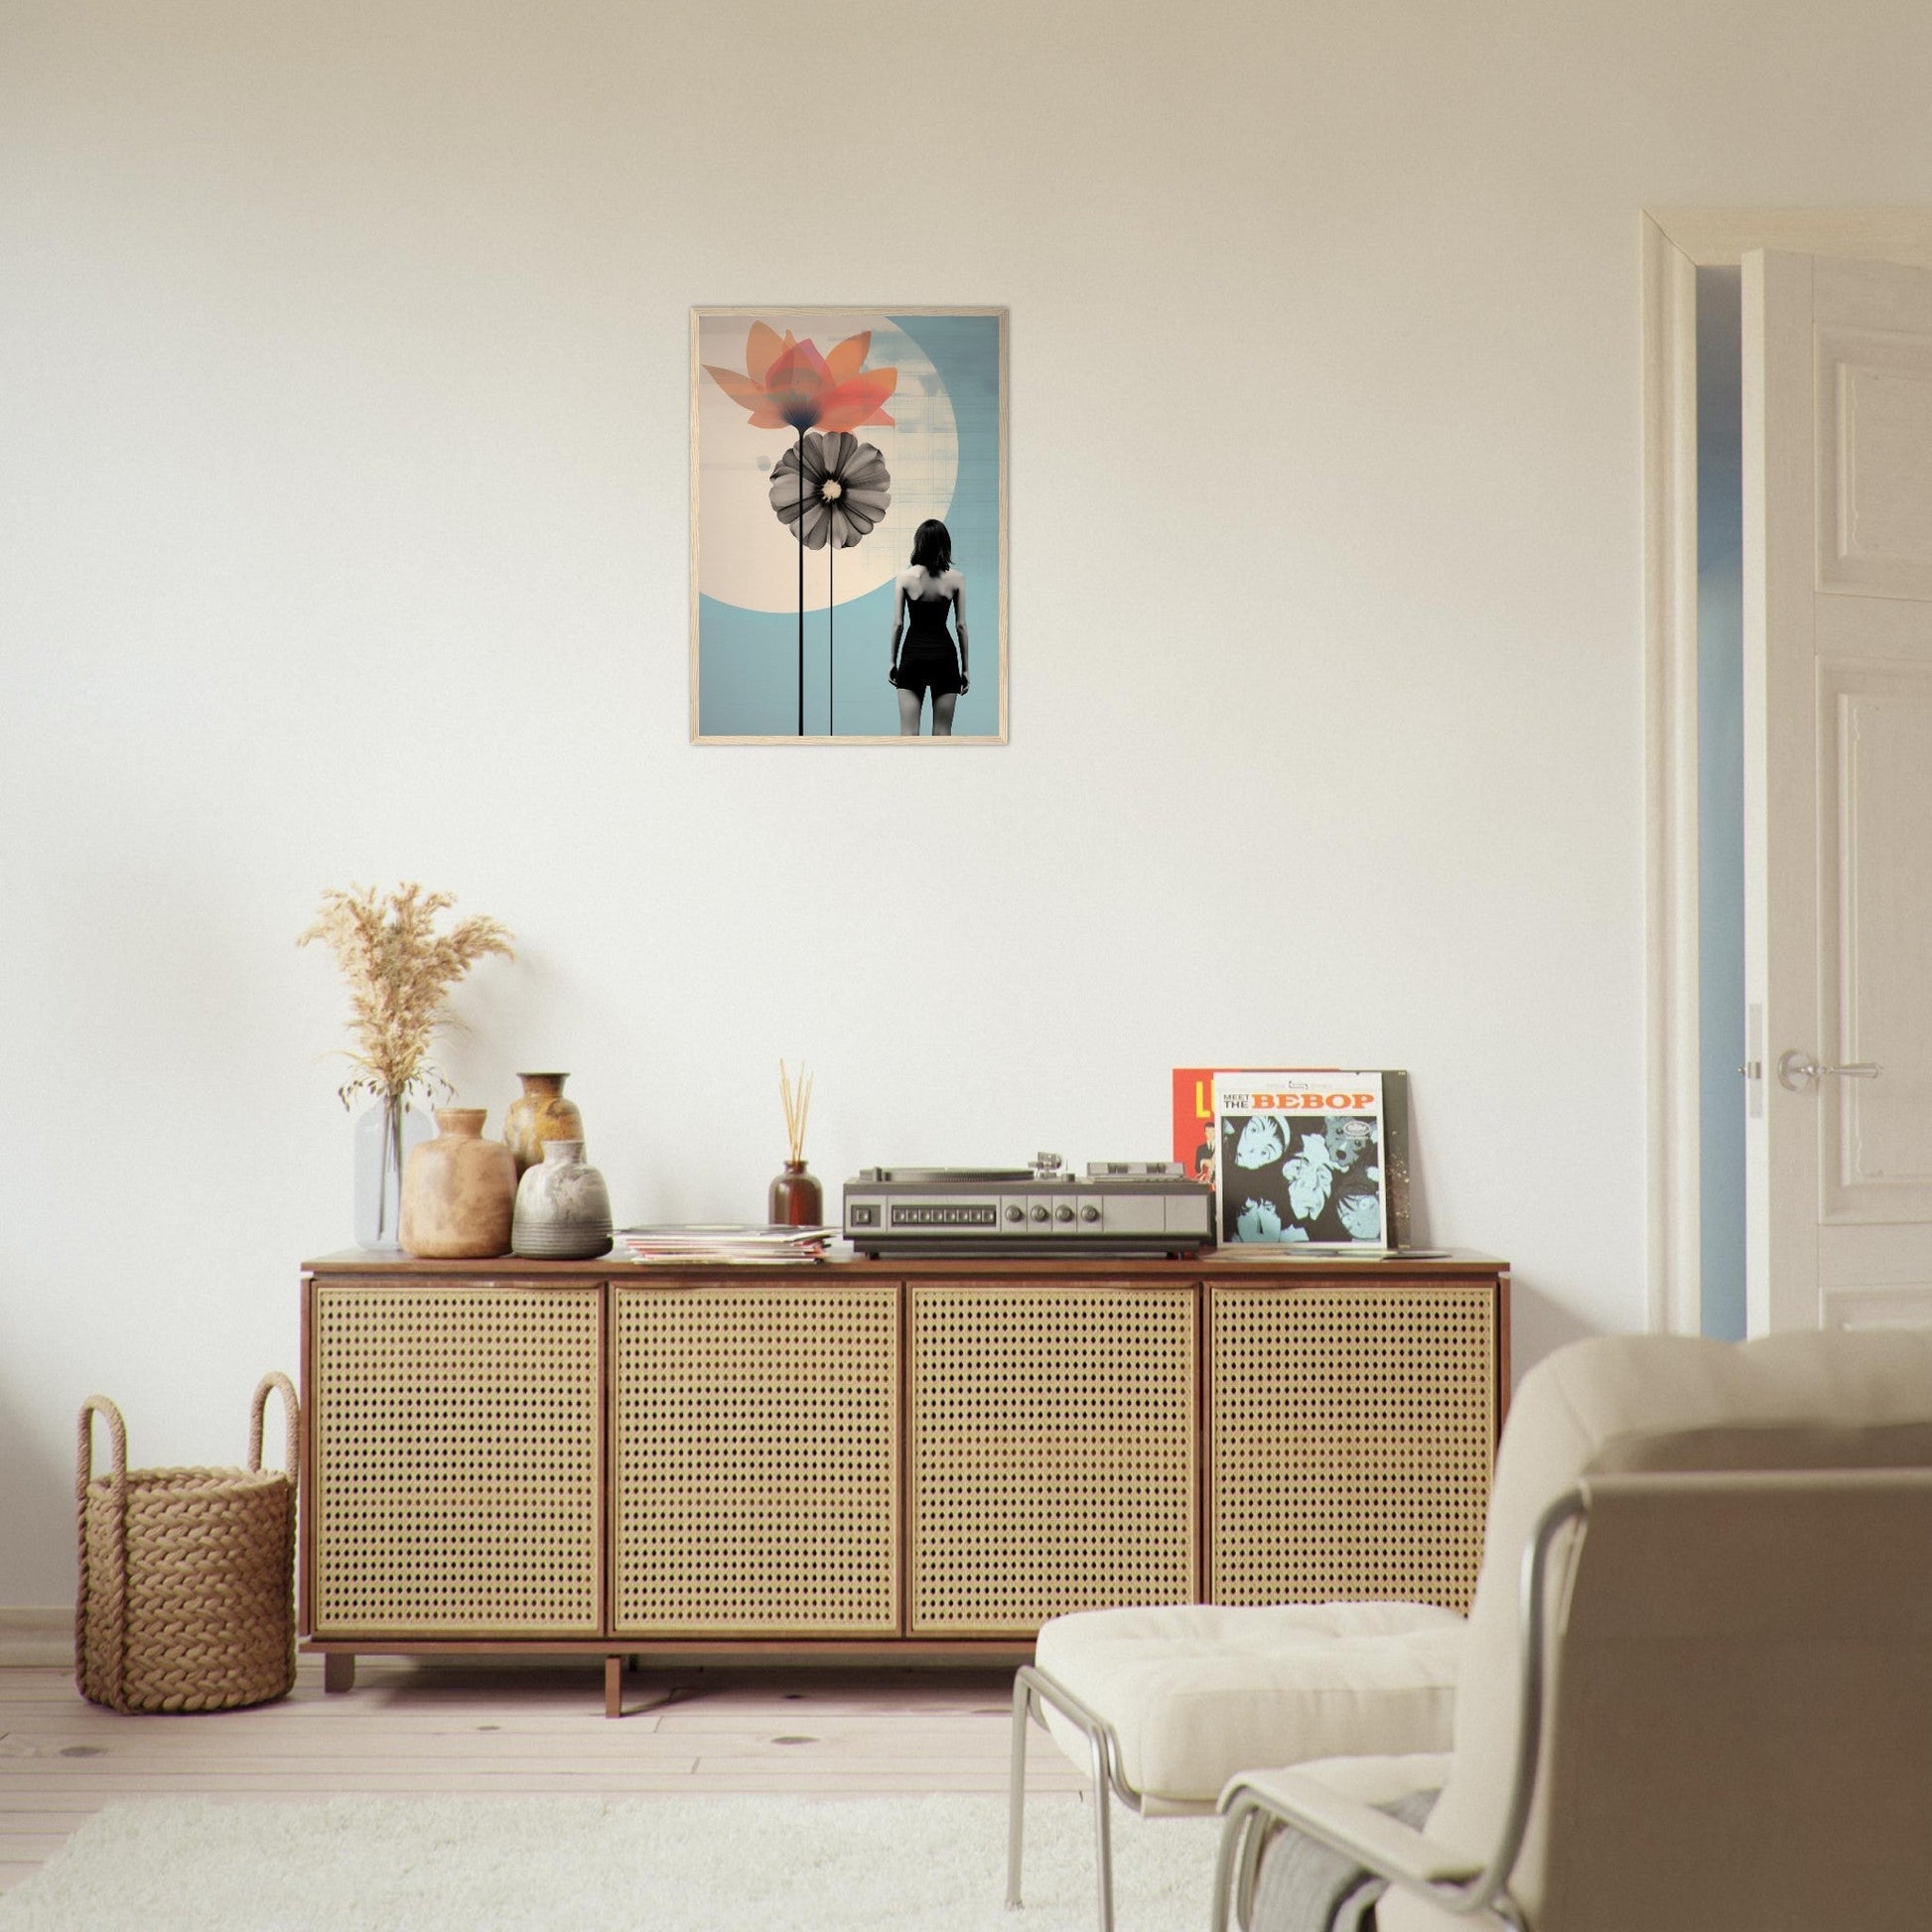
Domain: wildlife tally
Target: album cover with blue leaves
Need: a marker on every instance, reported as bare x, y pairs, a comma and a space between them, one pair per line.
1314, 1157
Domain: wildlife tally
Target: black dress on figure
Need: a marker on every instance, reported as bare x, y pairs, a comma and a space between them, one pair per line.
928, 660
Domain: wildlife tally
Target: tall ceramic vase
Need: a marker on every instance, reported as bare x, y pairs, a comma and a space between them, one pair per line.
540, 1113
385, 1132
458, 1191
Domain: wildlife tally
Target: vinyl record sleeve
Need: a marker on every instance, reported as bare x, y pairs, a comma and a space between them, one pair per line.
1196, 1143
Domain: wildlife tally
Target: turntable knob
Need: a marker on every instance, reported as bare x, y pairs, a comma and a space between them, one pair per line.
1089, 1212
1040, 1213
1063, 1213
1015, 1212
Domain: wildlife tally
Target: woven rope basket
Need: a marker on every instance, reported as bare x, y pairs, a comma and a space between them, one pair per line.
186, 1574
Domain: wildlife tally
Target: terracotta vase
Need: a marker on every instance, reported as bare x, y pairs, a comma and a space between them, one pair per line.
796, 1200
563, 1207
540, 1113
457, 1190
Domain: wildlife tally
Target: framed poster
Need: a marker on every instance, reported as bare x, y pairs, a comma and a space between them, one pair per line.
848, 526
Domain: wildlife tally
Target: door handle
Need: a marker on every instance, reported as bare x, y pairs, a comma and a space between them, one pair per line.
1797, 1070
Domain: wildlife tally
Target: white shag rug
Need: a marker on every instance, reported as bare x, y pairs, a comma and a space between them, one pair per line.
633, 1865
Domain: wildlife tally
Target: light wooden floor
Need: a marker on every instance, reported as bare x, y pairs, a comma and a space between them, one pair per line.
507, 1730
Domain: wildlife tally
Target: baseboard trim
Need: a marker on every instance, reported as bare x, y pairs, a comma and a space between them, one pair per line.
36, 1636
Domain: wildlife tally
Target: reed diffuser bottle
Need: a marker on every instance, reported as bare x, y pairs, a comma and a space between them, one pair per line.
795, 1200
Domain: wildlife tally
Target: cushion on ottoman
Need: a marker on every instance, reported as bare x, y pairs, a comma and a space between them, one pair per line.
1198, 1692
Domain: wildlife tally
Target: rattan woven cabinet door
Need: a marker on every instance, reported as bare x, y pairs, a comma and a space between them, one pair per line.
456, 1444
1351, 1435
1052, 1450
755, 1459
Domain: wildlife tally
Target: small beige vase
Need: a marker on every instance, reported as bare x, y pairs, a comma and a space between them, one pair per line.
458, 1191
540, 1113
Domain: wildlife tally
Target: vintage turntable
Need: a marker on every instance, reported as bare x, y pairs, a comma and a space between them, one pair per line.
1118, 1207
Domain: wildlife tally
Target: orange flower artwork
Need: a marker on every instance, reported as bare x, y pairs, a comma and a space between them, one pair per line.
788, 384
822, 439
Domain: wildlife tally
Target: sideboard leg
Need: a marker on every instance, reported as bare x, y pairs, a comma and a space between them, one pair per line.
613, 1686
339, 1670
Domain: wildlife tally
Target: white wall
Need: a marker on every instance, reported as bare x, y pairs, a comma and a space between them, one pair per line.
343, 403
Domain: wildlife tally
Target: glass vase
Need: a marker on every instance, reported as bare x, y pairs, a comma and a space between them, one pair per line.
385, 1131
795, 1199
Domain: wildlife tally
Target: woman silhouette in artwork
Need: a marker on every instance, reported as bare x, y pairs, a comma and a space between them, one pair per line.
923, 656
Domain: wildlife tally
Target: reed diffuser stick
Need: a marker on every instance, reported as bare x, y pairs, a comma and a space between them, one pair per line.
797, 1100
796, 1198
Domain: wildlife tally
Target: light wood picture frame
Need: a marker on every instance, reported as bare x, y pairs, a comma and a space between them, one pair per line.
823, 442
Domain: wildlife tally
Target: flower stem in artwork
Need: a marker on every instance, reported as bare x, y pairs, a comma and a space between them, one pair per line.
833, 490
801, 598
831, 642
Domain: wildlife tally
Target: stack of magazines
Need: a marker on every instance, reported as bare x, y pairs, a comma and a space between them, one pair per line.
724, 1241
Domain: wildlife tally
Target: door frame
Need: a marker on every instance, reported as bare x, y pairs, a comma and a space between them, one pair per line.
1676, 243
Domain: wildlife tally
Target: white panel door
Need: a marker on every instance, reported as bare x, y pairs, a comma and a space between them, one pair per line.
1838, 736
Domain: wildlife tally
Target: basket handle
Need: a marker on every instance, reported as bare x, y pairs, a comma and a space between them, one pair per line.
292, 1414
98, 1405
113, 1585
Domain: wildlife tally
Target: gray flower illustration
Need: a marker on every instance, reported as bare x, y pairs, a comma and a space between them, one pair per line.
831, 487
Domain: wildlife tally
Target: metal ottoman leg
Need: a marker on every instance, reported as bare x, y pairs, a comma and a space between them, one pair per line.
1103, 1840
1023, 1710
1030, 1692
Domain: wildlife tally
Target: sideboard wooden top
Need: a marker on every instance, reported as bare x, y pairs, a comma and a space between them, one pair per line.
1456, 1264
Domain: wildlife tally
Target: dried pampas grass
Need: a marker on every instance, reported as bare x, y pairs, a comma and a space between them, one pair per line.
399, 970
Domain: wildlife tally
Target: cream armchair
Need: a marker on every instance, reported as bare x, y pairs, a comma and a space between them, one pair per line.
1697, 1685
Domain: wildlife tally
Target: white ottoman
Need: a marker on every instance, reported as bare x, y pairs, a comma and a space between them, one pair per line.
1165, 1705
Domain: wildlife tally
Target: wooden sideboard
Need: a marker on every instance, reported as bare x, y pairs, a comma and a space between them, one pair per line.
877, 1460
